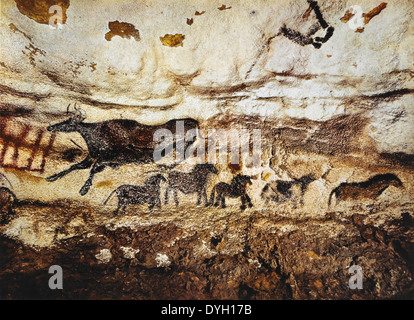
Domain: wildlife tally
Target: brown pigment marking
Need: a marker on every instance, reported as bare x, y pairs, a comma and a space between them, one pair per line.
33, 51
347, 16
307, 13
123, 30
190, 21
377, 10
47, 151
235, 167
107, 183
197, 13
359, 30
39, 10
35, 149
175, 40
20, 94
15, 29
18, 143
224, 7
12, 110
4, 125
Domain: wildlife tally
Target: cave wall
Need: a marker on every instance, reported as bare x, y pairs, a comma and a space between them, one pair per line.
329, 86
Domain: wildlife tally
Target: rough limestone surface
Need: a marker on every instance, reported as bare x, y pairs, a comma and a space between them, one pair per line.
329, 85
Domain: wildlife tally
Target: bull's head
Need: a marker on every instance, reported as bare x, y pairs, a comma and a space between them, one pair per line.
71, 124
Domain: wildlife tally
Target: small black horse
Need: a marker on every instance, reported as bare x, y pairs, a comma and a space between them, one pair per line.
129, 194
237, 188
192, 182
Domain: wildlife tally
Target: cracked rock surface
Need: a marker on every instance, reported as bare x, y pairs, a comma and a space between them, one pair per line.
330, 87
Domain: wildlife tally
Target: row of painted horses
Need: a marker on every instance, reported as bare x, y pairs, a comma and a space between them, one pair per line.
276, 191
187, 183
196, 182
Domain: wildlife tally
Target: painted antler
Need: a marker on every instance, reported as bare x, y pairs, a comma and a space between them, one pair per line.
79, 113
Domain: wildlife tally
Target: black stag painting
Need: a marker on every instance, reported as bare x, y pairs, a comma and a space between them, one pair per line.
114, 143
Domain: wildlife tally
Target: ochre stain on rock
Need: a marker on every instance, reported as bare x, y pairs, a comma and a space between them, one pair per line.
39, 10
175, 40
224, 7
198, 13
307, 13
368, 16
15, 29
123, 30
347, 16
106, 183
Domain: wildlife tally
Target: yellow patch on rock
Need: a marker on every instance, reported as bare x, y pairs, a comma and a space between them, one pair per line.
122, 29
175, 40
39, 10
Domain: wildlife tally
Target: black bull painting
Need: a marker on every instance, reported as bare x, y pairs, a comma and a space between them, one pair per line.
114, 143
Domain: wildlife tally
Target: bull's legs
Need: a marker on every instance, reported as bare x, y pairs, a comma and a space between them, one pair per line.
97, 167
248, 200
199, 197
117, 209
167, 191
243, 200
218, 197
158, 202
205, 197
202, 193
175, 197
223, 201
86, 163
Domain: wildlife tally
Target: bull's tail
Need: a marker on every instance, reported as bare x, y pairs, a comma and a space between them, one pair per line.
213, 191
110, 195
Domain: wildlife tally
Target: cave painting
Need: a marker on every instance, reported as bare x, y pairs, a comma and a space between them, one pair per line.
130, 194
370, 189
236, 189
282, 190
307, 39
193, 182
7, 200
113, 143
24, 146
